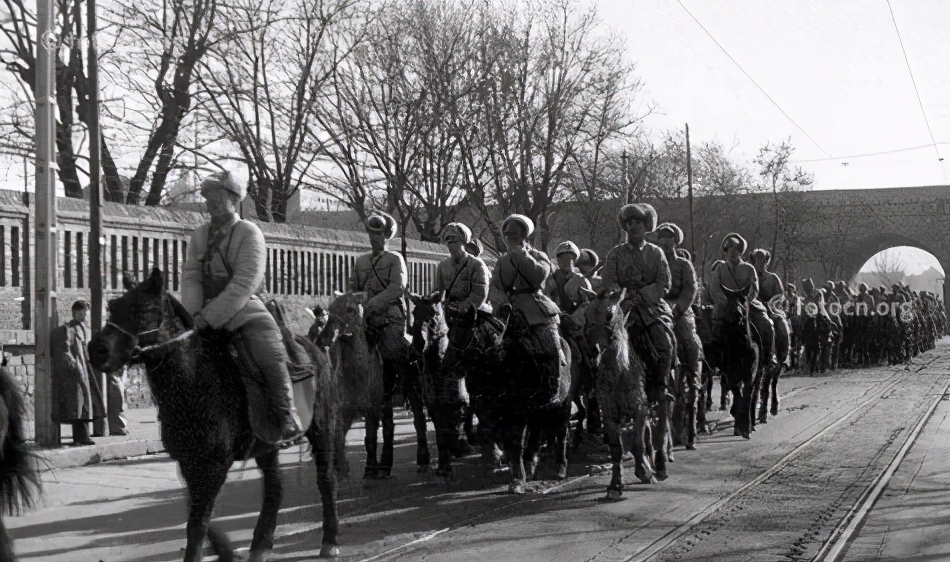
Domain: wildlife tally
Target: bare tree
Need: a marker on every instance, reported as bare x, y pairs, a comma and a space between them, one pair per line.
779, 176
163, 45
386, 120
261, 86
889, 268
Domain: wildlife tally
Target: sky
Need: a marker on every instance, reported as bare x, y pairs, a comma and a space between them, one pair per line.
830, 74
836, 76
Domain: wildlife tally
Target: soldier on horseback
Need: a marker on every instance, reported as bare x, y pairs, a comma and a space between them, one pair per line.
680, 298
736, 274
383, 275
463, 279
564, 286
642, 269
587, 263
770, 286
519, 279
220, 284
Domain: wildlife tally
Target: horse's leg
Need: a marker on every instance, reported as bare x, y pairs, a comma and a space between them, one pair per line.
764, 388
262, 543
615, 441
561, 440
514, 433
370, 441
325, 452
532, 445
774, 405
389, 436
413, 388
747, 405
6, 544
204, 480
723, 390
661, 435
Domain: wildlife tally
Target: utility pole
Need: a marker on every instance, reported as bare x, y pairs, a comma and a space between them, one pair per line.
47, 433
625, 182
95, 198
689, 181
95, 176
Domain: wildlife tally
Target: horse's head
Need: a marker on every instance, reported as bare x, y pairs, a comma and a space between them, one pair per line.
345, 318
428, 315
145, 315
737, 304
604, 320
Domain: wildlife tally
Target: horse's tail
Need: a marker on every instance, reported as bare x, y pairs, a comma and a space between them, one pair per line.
20, 484
221, 544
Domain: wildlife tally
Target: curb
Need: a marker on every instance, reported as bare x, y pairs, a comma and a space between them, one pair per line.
70, 457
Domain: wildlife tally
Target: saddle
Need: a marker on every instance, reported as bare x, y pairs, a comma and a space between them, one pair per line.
303, 367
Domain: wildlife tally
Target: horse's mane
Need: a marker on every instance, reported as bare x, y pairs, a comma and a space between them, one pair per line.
619, 341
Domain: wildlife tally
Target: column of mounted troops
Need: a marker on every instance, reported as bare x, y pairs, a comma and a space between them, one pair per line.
680, 332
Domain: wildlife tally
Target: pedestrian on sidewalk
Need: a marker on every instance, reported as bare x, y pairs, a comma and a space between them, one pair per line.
115, 402
77, 399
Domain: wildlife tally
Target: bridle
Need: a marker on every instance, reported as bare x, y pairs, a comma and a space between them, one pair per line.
138, 351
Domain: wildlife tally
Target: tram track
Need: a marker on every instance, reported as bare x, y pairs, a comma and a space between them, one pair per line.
847, 529
647, 552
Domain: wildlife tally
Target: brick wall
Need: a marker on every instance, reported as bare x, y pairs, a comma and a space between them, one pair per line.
305, 265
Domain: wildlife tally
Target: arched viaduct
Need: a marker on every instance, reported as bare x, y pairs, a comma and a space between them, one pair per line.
825, 234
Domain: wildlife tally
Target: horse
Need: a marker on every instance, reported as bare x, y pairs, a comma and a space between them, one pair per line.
704, 329
771, 373
360, 368
620, 387
737, 353
20, 484
818, 335
519, 397
430, 338
203, 411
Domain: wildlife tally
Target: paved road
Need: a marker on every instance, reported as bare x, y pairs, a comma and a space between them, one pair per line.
778, 496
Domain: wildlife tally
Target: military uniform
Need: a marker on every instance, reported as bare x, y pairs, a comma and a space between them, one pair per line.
644, 272
221, 280
681, 296
564, 288
384, 278
736, 277
518, 279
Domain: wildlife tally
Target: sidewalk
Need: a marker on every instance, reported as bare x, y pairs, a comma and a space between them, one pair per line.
144, 439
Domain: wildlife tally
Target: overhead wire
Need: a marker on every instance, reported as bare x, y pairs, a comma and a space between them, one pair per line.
761, 89
864, 154
914, 82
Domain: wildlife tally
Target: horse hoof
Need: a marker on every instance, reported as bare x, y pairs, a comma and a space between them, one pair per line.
774, 412
383, 475
669, 457
745, 435
423, 468
517, 488
369, 474
690, 447
763, 420
329, 551
736, 432
561, 472
261, 555
661, 475
646, 478
614, 494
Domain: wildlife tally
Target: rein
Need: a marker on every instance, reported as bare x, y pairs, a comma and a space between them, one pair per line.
138, 351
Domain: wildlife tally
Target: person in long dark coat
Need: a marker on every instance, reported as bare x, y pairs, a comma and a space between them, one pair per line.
77, 399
